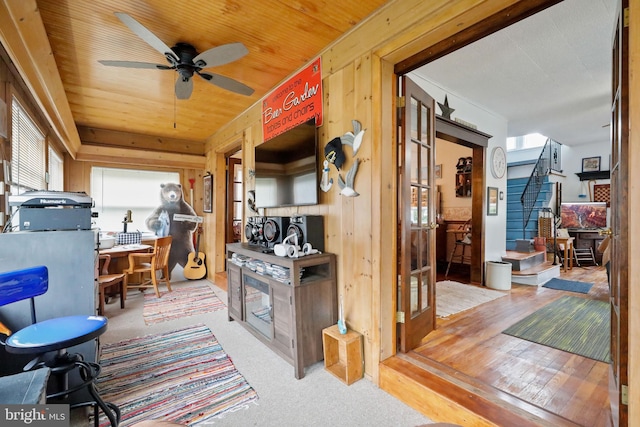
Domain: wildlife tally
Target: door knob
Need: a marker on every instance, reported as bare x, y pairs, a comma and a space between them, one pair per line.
606, 232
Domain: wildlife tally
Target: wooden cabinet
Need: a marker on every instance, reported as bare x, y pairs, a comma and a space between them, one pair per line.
588, 239
284, 302
234, 291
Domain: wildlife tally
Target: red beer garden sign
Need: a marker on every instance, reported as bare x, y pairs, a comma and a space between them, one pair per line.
296, 101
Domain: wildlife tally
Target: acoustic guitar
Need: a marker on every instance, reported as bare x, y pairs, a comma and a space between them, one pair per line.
196, 269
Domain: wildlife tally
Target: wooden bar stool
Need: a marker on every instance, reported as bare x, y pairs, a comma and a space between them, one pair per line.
462, 241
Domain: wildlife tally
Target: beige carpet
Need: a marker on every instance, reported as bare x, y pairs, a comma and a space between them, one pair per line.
453, 297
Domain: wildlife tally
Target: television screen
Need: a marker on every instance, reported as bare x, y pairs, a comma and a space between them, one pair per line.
583, 215
286, 168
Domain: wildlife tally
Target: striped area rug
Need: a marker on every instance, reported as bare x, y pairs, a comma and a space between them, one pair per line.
180, 302
182, 376
578, 325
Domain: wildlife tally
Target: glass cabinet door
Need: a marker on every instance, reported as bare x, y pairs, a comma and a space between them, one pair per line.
257, 304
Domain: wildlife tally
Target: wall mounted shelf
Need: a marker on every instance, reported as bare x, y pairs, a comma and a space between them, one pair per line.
586, 176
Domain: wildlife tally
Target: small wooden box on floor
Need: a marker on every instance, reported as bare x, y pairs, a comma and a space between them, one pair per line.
343, 354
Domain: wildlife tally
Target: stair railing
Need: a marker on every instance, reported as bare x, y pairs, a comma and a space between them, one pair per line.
548, 160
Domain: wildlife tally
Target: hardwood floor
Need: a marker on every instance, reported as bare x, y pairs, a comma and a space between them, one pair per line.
559, 388
571, 386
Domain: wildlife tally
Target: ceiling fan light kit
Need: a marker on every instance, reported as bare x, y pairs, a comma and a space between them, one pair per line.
185, 59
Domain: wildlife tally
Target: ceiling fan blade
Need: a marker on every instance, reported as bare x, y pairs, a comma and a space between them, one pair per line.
220, 55
227, 83
184, 87
134, 64
146, 35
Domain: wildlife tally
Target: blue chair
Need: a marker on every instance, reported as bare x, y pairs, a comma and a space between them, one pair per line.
47, 341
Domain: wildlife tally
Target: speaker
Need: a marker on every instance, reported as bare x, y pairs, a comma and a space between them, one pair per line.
309, 229
274, 229
254, 230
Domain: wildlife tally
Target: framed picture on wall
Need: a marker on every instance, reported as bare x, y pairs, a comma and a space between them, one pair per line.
208, 193
591, 164
492, 201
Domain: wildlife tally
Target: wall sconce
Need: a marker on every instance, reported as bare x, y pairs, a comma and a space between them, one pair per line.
501, 195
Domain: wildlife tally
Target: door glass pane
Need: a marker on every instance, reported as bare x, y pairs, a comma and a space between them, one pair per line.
415, 194
414, 119
415, 162
426, 278
424, 128
419, 247
424, 162
237, 173
424, 207
415, 291
237, 191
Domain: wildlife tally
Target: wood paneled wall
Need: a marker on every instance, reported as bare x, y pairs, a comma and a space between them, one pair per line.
359, 83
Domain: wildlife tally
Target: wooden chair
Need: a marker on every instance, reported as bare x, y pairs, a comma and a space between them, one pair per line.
107, 280
150, 263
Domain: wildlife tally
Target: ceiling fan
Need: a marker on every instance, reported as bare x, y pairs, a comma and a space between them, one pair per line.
184, 58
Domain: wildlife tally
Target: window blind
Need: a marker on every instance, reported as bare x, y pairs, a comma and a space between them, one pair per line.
56, 171
27, 152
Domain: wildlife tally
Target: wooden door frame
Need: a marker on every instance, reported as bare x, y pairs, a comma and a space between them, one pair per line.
231, 162
496, 22
478, 142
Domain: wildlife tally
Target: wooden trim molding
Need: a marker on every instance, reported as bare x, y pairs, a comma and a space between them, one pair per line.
458, 133
502, 19
23, 35
126, 156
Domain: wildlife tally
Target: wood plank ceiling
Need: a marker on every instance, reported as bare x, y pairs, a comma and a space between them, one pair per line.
108, 103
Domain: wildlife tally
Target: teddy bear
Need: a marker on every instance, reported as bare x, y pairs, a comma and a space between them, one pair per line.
172, 202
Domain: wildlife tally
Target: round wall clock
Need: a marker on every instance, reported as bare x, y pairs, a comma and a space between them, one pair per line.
498, 162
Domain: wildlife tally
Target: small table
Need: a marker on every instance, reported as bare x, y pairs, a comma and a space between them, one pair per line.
120, 253
567, 243
343, 354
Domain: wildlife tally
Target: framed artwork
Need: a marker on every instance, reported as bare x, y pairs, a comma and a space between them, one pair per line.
438, 171
591, 164
208, 193
602, 193
492, 200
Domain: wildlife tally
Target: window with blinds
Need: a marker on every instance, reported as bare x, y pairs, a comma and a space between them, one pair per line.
27, 152
115, 191
56, 171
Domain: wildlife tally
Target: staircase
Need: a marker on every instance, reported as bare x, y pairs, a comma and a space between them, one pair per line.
528, 267
531, 268
515, 187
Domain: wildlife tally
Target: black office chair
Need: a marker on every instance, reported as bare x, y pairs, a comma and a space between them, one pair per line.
47, 341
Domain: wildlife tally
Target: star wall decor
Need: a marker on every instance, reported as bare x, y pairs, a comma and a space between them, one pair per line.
446, 110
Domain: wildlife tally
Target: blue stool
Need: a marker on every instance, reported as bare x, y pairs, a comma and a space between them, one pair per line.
55, 335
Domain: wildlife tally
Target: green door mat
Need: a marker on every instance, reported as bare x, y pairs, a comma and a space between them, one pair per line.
576, 325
